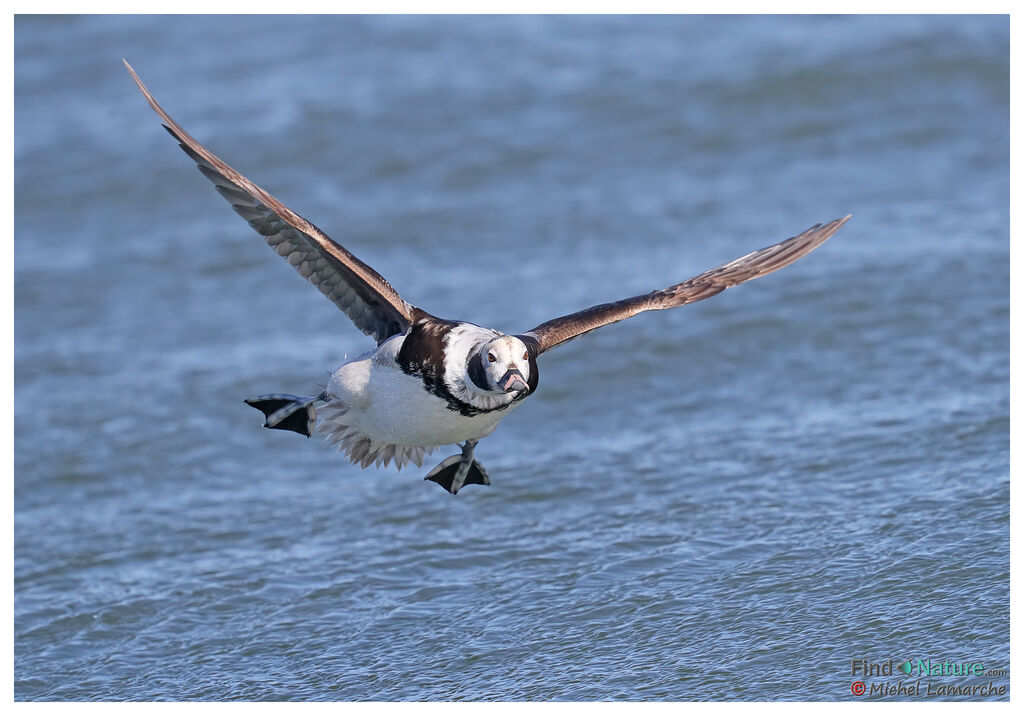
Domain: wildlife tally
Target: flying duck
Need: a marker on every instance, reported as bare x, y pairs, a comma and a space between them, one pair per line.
429, 382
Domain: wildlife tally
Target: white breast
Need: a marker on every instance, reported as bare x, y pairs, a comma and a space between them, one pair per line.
378, 413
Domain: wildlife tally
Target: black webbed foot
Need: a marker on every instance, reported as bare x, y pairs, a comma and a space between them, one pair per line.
447, 474
287, 412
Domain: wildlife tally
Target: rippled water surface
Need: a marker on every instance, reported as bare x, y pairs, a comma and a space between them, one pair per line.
729, 500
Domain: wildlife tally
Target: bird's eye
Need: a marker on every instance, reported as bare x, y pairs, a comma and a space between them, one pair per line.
526, 356
491, 358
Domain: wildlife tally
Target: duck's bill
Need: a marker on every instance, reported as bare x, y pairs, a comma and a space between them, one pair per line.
513, 381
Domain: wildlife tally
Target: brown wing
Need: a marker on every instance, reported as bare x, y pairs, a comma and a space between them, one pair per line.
559, 330
359, 291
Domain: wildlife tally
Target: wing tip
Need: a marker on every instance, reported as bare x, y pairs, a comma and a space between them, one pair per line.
173, 127
135, 76
803, 244
825, 231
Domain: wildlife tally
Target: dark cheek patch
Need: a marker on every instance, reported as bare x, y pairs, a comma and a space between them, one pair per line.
477, 372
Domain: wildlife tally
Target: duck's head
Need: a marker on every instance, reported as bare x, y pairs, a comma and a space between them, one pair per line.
501, 365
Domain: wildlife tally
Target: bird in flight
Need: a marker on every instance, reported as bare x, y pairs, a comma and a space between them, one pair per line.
430, 381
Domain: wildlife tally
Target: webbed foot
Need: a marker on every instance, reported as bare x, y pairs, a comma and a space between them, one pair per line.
288, 412
458, 470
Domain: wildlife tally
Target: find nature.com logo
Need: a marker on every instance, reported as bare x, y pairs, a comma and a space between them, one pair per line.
919, 669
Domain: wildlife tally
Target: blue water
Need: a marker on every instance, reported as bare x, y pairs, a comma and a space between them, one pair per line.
732, 500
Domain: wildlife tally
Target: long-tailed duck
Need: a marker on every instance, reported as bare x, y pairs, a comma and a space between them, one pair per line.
429, 382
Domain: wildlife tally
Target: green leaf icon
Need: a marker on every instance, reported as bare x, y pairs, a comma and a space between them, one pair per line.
906, 667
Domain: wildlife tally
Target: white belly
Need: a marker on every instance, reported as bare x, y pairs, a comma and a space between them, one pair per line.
377, 413
392, 407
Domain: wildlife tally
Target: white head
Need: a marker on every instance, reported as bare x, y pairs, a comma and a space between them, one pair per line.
501, 365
